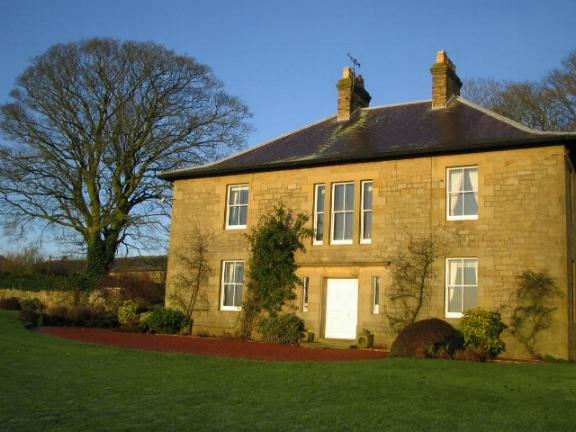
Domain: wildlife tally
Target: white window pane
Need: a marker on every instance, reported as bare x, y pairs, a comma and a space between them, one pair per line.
349, 225
243, 199
367, 225
234, 217
243, 215
319, 227
320, 199
470, 204
339, 226
238, 295
239, 272
350, 197
455, 180
455, 299
470, 272
339, 197
470, 297
453, 266
367, 198
457, 205
228, 295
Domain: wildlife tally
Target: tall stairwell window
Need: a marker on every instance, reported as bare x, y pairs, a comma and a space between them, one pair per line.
319, 192
342, 213
366, 213
462, 193
237, 207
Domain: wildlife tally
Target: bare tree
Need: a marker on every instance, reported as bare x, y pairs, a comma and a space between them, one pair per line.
412, 277
90, 126
548, 105
193, 270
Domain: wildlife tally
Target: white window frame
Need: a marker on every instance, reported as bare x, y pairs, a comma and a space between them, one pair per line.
305, 285
459, 217
346, 241
364, 211
240, 187
222, 306
316, 213
447, 285
375, 294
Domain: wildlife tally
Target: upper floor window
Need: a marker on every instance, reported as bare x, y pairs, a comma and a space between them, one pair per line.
461, 285
462, 193
342, 213
366, 213
232, 284
319, 191
237, 207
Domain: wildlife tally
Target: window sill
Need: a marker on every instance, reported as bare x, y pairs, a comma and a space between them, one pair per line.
236, 227
462, 218
454, 315
341, 242
317, 243
230, 308
366, 241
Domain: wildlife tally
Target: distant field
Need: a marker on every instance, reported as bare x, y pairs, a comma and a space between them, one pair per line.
57, 385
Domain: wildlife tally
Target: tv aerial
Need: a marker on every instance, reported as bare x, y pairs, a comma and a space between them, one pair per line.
354, 62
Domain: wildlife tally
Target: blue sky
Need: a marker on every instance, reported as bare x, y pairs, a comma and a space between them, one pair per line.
283, 58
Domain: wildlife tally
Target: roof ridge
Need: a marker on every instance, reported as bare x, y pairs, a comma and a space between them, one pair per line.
509, 121
397, 104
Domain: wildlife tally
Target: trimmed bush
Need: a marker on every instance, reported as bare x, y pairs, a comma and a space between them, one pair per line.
128, 314
10, 303
282, 329
481, 331
427, 338
165, 320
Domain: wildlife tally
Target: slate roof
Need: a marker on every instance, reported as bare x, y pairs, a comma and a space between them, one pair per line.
386, 132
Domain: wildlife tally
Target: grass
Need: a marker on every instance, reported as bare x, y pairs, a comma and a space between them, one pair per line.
57, 385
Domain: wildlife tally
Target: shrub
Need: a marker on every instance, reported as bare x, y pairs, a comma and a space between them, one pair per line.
31, 312
128, 314
283, 329
165, 320
10, 303
481, 330
427, 338
80, 316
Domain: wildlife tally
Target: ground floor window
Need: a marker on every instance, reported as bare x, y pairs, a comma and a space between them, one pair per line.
232, 284
461, 285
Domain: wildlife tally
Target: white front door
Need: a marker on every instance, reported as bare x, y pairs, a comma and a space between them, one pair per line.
341, 308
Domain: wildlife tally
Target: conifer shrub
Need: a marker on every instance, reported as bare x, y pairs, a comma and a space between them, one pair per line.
284, 328
432, 338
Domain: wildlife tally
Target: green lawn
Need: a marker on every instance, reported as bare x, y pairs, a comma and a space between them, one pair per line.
52, 384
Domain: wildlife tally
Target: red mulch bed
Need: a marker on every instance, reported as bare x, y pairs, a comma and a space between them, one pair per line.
210, 346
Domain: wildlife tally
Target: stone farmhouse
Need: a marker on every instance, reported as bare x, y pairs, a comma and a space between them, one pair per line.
501, 194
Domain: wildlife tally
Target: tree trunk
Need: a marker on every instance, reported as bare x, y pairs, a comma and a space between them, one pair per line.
99, 258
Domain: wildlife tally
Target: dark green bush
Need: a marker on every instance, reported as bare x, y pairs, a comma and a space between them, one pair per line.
282, 329
165, 320
481, 330
10, 303
31, 312
427, 338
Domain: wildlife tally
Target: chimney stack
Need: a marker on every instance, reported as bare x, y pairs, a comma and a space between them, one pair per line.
445, 82
351, 94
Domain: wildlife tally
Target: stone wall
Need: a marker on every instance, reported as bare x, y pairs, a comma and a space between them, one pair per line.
521, 226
